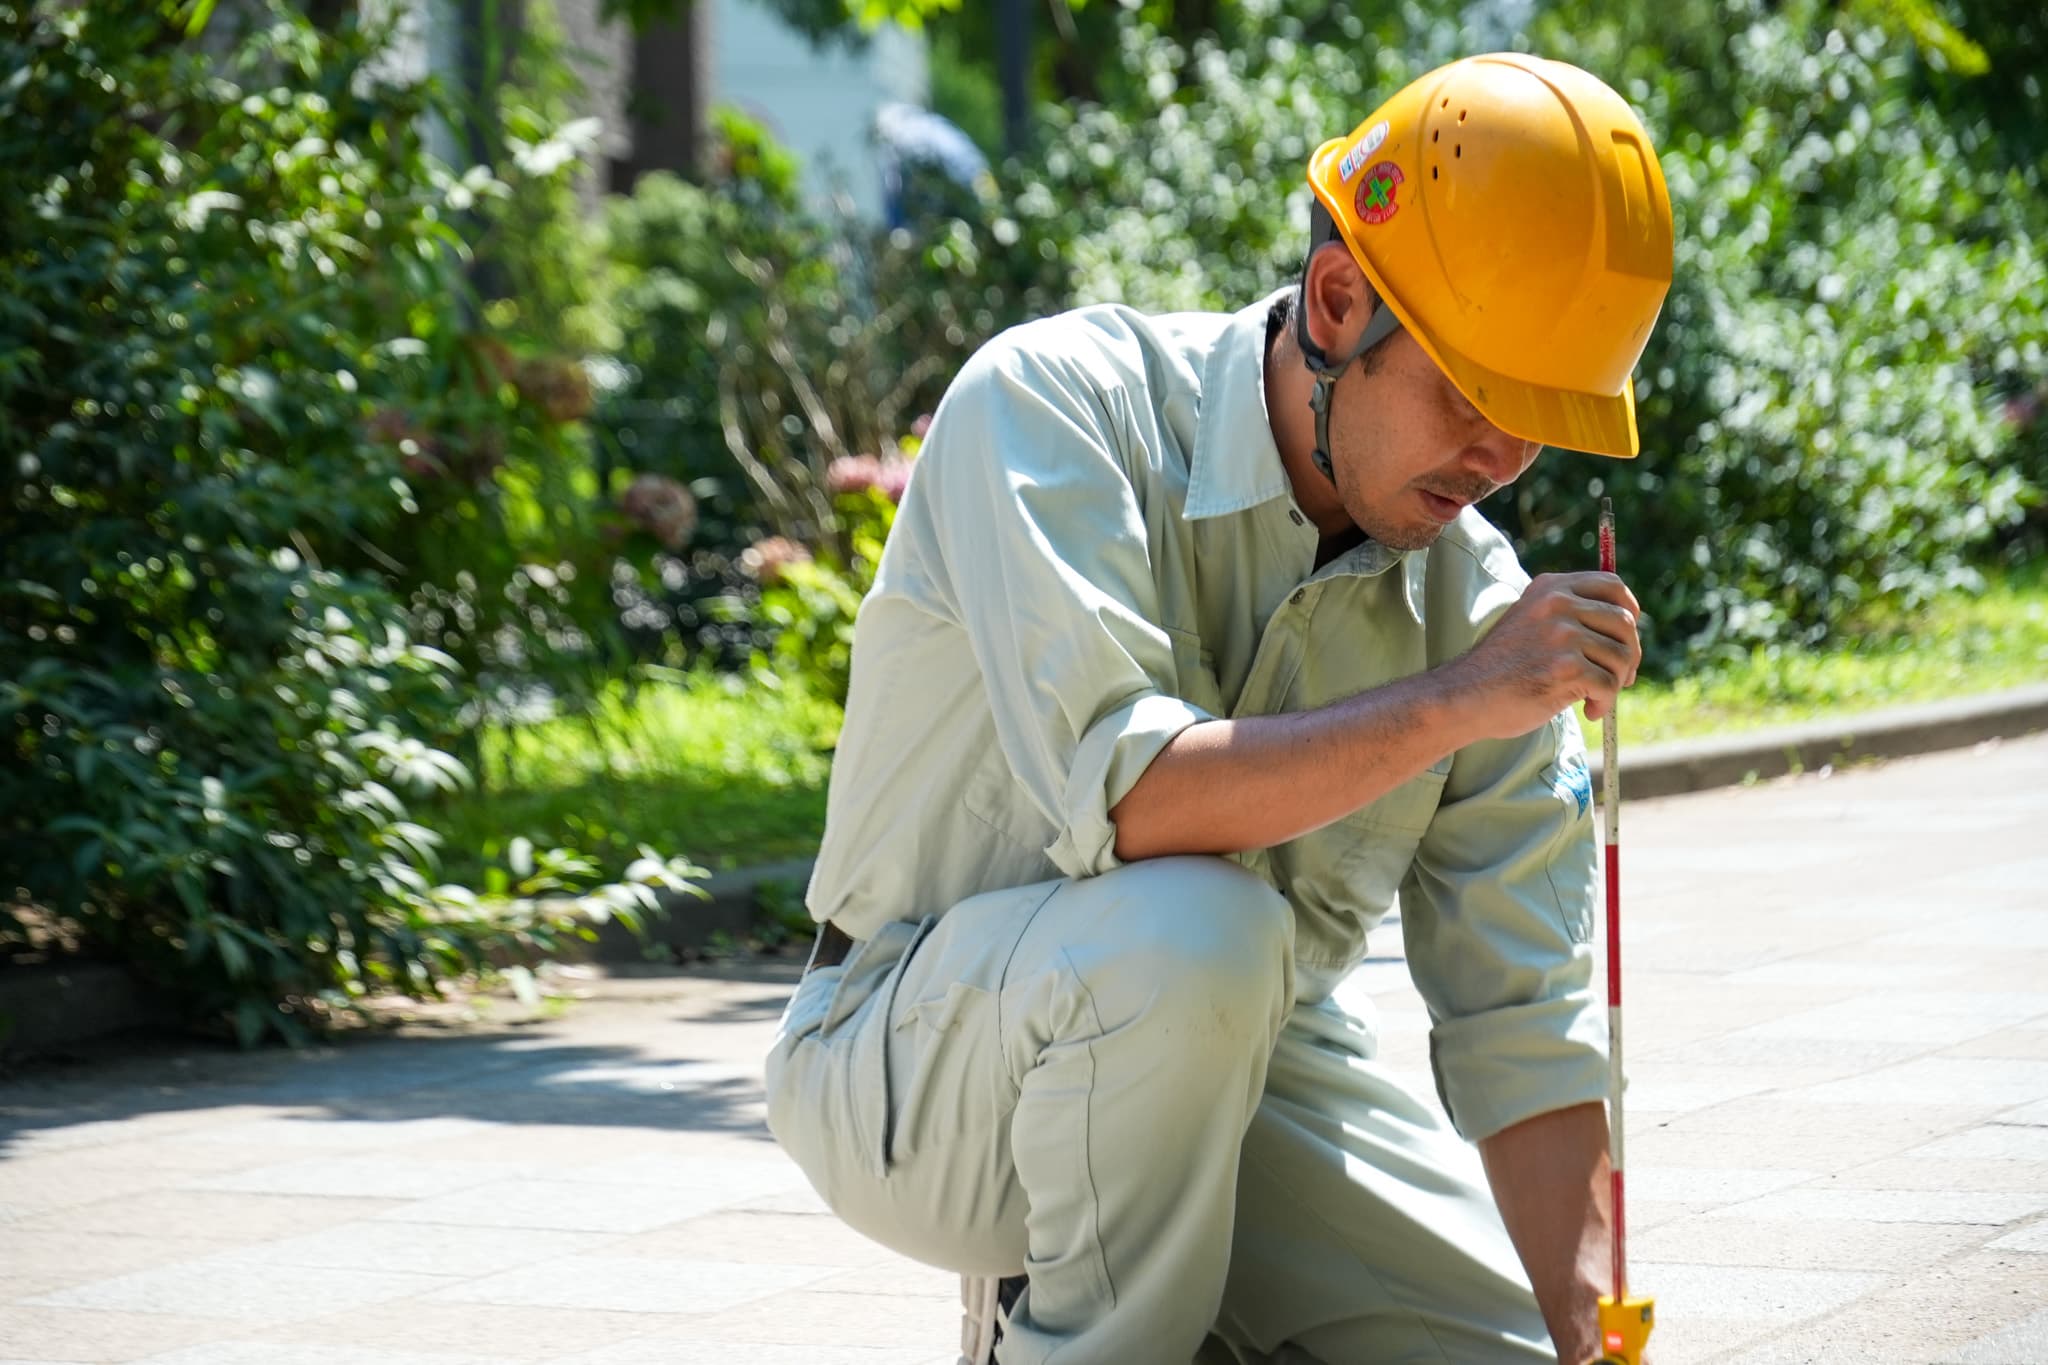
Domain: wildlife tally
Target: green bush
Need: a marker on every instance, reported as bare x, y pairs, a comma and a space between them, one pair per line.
766, 343
217, 274
1858, 288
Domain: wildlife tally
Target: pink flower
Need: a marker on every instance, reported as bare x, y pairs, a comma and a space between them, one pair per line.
852, 474
894, 477
661, 507
765, 561
921, 426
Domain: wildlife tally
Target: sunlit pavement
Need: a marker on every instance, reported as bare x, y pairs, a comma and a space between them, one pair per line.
1837, 1019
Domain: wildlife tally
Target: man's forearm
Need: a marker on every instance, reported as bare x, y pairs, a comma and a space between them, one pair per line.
1550, 1177
1226, 786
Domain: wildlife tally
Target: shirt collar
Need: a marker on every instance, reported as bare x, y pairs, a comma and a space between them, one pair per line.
1236, 464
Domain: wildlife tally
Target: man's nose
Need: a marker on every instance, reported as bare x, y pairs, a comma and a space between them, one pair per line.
1499, 456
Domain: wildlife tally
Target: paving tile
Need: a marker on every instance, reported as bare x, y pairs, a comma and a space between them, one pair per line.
1858, 1126
1890, 1206
222, 1287
689, 1350
90, 1174
428, 1248
796, 1201
215, 1214
1914, 1171
2026, 1041
380, 1177
160, 1126
503, 1332
290, 1353
1810, 1148
318, 1130
894, 1276
1823, 971
634, 1284
65, 1334
541, 1145
2031, 1238
1992, 1082
1800, 1244
754, 1235
1994, 929
1680, 1089
807, 1318
54, 1258
1690, 1338
1825, 1058
1872, 1018
2017, 1343
1708, 1184
1755, 1293
1990, 1142
2034, 1114
564, 1205
736, 1178
1925, 1315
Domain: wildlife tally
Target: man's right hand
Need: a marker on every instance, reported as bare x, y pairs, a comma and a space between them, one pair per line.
1571, 638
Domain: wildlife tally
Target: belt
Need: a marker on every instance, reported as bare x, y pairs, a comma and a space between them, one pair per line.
833, 947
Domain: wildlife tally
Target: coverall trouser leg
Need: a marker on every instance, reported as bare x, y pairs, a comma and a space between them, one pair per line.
1076, 1079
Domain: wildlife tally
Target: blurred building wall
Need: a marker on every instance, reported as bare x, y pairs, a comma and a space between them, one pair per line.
652, 90
821, 105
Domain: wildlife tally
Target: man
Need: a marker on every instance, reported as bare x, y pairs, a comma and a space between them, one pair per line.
1186, 654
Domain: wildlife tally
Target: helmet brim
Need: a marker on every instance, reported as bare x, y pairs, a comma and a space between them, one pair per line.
1598, 424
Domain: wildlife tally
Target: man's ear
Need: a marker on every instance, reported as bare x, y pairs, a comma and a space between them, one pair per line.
1338, 298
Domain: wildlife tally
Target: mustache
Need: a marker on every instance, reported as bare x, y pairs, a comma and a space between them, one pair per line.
1464, 490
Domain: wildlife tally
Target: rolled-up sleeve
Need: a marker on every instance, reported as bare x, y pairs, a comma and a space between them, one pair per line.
1497, 915
1047, 568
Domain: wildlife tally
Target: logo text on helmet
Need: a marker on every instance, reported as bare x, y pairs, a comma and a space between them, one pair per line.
1376, 199
1365, 147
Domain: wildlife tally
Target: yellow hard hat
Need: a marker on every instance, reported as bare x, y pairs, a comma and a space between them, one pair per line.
1511, 212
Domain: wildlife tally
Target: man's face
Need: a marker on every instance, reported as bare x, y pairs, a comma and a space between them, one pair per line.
1409, 452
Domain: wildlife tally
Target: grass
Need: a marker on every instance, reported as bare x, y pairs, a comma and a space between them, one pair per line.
1959, 645
730, 772
712, 768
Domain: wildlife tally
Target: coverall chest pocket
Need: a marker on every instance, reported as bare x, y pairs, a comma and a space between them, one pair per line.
1342, 878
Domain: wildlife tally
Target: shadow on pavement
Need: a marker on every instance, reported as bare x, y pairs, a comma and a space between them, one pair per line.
537, 1072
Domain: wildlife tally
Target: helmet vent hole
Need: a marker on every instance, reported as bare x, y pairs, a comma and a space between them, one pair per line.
1432, 172
1435, 135
1447, 102
1462, 113
1459, 151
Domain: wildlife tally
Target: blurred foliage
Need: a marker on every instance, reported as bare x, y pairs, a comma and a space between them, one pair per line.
765, 343
741, 766
1859, 288
235, 344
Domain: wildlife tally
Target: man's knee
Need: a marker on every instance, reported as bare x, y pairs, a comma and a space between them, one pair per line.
1203, 938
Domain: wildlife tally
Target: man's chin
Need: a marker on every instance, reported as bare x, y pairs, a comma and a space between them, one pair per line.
1413, 535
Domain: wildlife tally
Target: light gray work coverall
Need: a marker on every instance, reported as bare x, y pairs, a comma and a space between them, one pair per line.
1144, 1083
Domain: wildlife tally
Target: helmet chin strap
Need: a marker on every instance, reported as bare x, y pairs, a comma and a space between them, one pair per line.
1327, 371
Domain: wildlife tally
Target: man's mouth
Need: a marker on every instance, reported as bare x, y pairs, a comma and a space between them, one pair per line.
1440, 507
1445, 506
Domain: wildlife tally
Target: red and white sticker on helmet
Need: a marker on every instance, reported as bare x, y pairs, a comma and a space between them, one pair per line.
1378, 197
1364, 148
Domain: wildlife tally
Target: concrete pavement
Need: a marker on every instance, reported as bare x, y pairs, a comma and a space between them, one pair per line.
1838, 1136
